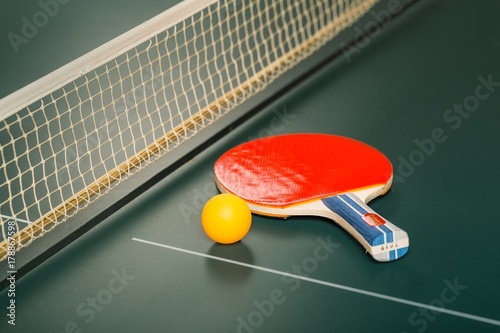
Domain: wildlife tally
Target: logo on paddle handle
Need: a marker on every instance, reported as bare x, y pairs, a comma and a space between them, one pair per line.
373, 220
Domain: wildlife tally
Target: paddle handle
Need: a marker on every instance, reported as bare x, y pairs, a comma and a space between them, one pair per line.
382, 240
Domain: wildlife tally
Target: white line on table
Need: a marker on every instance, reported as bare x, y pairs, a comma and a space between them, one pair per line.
15, 218
329, 284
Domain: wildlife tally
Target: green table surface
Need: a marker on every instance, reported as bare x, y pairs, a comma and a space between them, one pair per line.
425, 91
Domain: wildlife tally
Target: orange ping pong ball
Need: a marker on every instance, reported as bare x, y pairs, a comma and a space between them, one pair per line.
226, 218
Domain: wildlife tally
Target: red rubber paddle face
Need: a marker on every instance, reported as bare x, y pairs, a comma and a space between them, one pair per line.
288, 169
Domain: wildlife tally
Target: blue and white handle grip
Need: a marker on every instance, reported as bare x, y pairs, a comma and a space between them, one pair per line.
381, 239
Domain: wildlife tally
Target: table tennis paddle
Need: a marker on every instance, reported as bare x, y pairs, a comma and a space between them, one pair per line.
315, 174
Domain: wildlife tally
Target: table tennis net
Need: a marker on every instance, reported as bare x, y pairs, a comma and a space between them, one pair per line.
64, 148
